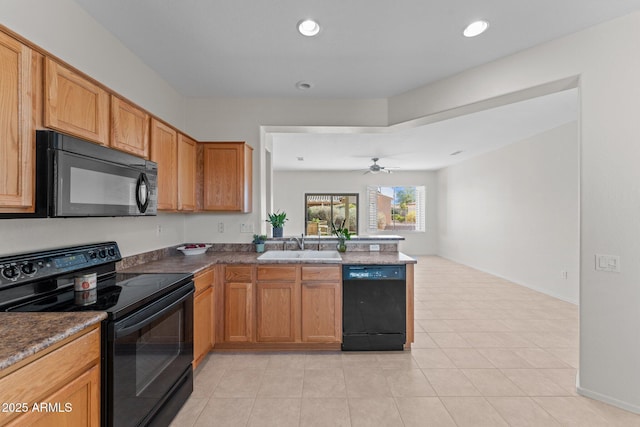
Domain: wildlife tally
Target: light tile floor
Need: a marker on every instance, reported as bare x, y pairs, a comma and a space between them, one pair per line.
487, 353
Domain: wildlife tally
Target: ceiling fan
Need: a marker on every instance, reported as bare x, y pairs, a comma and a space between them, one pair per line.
376, 168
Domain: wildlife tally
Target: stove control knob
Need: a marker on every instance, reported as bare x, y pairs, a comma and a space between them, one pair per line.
28, 268
11, 272
92, 255
111, 252
102, 253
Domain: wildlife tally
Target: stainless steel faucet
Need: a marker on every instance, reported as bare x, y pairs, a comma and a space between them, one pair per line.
299, 241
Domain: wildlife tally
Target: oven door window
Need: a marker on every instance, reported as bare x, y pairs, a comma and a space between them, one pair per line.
151, 349
156, 347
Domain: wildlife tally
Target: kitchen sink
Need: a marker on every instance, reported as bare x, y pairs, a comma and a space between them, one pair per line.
301, 256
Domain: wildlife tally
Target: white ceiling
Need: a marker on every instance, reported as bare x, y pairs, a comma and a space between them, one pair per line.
427, 147
366, 48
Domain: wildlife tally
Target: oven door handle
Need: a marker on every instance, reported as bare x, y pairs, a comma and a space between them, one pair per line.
150, 314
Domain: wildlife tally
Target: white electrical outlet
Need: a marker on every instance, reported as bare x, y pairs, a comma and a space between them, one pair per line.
246, 228
564, 275
158, 230
221, 227
610, 263
374, 248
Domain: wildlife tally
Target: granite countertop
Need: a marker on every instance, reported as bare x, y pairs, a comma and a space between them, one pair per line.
24, 334
195, 263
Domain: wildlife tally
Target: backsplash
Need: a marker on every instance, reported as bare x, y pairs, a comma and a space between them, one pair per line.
270, 245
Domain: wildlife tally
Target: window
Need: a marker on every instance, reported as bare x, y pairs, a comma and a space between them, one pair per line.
397, 208
323, 209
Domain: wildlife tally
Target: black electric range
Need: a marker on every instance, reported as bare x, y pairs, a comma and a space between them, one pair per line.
147, 338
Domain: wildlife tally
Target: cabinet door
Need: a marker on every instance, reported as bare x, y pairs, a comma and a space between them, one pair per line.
238, 312
277, 307
17, 146
186, 173
75, 105
202, 325
227, 177
321, 312
129, 128
164, 140
79, 404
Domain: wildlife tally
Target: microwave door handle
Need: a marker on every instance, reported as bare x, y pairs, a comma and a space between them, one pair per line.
142, 192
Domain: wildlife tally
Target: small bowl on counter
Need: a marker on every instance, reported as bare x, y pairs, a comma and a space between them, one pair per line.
194, 248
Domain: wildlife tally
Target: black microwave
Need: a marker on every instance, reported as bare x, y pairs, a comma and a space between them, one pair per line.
76, 178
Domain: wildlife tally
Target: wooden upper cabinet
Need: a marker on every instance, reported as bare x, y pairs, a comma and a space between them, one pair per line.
164, 140
187, 149
129, 128
17, 128
227, 176
74, 105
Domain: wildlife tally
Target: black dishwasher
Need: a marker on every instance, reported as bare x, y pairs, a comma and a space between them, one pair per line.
374, 307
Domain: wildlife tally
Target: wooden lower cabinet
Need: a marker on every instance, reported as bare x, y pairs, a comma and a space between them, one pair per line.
203, 316
321, 312
78, 398
283, 306
59, 386
277, 312
238, 312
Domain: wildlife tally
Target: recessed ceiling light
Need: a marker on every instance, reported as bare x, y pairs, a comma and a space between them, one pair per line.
308, 27
475, 28
302, 85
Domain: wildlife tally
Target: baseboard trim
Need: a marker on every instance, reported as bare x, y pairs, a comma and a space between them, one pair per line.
534, 288
609, 400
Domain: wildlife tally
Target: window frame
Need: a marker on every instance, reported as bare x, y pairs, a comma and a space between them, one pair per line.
356, 195
421, 214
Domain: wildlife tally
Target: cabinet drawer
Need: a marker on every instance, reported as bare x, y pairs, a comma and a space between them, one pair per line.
320, 273
240, 274
203, 280
275, 273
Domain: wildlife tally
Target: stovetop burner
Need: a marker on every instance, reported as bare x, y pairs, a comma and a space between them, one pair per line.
118, 295
43, 281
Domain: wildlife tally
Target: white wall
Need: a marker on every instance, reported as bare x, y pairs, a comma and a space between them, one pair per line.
607, 61
66, 31
290, 187
133, 234
514, 212
219, 119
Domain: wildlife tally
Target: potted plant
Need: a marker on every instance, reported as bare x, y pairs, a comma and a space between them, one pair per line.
258, 240
277, 221
342, 233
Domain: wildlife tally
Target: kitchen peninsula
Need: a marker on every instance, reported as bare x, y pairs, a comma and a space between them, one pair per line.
277, 304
